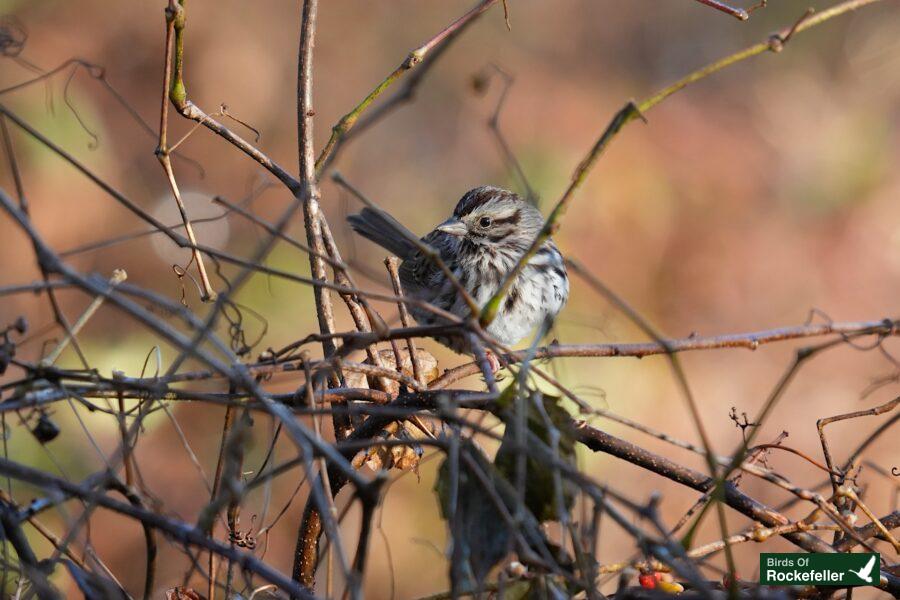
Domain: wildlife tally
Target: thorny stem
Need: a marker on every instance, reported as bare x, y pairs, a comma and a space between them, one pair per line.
749, 340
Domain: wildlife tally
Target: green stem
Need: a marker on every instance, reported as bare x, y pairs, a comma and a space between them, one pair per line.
177, 91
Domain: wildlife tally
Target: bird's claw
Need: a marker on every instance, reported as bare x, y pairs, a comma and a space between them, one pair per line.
493, 362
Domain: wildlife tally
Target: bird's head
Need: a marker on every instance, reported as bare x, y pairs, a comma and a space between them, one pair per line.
492, 216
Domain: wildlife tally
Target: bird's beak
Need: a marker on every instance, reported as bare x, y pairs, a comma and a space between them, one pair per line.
453, 226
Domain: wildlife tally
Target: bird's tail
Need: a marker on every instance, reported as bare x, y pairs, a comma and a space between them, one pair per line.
378, 226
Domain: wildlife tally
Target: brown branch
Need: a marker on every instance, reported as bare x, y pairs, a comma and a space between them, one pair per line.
868, 531
227, 425
311, 213
600, 441
821, 423
750, 341
363, 315
739, 13
393, 264
314, 224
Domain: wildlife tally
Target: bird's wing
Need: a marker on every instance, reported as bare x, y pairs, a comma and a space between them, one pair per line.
425, 271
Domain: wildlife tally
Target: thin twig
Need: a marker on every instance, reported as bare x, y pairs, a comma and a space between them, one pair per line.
414, 58
739, 13
173, 77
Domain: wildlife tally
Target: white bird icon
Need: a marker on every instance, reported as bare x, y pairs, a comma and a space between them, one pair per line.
866, 572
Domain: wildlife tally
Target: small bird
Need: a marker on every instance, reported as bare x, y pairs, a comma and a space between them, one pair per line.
482, 241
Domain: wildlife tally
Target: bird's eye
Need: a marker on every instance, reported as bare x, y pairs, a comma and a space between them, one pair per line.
485, 221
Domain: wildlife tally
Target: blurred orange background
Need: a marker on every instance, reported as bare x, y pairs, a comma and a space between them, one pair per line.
745, 202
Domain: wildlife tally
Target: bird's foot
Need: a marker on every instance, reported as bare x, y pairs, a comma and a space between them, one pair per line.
493, 362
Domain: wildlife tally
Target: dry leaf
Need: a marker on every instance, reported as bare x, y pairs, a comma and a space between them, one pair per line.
405, 458
427, 362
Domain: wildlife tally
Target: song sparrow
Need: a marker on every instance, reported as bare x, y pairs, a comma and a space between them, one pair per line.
482, 242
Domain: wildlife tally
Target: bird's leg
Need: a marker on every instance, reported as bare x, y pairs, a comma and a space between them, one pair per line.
493, 361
